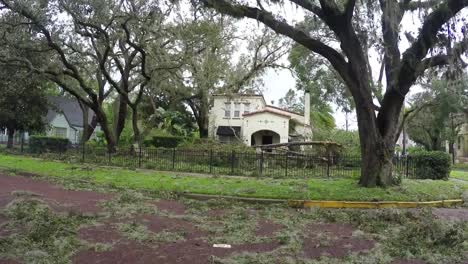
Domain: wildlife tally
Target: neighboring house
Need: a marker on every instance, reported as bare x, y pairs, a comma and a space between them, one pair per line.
247, 118
404, 142
461, 144
64, 119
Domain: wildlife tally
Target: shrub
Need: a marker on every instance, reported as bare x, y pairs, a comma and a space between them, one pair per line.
164, 141
39, 144
433, 165
207, 144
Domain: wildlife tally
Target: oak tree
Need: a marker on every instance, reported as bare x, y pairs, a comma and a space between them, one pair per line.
343, 40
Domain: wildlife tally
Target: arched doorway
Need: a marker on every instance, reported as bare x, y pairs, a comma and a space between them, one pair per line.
264, 137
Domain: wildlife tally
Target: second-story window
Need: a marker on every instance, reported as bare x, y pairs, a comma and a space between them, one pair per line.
227, 110
246, 108
237, 110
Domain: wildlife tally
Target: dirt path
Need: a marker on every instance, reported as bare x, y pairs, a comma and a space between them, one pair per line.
128, 228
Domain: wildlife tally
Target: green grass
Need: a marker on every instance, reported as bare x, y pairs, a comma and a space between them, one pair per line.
459, 174
314, 189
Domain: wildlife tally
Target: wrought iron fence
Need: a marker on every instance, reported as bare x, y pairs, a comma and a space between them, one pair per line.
266, 164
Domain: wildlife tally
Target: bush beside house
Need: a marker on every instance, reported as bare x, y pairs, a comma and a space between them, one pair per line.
433, 165
164, 141
39, 144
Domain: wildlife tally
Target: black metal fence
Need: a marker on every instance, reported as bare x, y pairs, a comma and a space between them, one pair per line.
267, 164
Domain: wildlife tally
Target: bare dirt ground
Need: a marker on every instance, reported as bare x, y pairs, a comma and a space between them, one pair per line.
129, 228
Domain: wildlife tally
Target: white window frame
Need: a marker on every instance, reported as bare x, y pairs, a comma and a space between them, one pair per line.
237, 110
227, 110
63, 130
246, 108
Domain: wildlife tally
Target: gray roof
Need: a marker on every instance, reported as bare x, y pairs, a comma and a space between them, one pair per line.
70, 108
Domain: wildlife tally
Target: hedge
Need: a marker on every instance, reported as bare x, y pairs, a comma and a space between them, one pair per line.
433, 165
164, 141
39, 144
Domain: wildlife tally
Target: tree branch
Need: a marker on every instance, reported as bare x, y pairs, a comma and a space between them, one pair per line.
283, 28
415, 5
444, 59
309, 5
413, 56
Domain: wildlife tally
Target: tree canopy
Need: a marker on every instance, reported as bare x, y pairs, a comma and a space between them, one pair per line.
23, 102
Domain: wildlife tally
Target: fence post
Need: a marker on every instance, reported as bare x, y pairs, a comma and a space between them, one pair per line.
261, 163
22, 142
108, 156
173, 158
83, 152
139, 156
286, 168
232, 162
407, 166
211, 161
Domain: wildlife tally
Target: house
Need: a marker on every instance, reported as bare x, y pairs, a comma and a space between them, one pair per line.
404, 142
64, 119
249, 119
461, 144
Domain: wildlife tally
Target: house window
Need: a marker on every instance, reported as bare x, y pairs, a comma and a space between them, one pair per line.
237, 110
246, 108
60, 132
227, 110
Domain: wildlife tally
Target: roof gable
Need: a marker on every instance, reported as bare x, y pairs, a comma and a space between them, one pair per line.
268, 111
70, 108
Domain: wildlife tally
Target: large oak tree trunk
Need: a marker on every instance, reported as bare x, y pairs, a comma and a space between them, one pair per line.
120, 116
203, 123
88, 128
377, 137
136, 130
89, 132
203, 127
102, 119
11, 134
376, 164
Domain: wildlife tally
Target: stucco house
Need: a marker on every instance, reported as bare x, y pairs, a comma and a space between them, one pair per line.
461, 144
249, 119
64, 119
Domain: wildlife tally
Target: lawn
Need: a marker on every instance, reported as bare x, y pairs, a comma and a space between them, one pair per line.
314, 189
459, 174
44, 222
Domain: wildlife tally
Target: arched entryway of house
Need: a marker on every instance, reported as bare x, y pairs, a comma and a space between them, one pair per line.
264, 137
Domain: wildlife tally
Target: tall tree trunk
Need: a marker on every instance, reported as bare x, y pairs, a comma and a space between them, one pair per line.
136, 130
376, 164
203, 123
102, 119
377, 138
88, 128
203, 132
120, 115
11, 134
204, 115
89, 132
